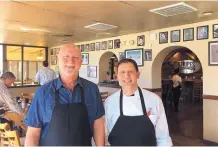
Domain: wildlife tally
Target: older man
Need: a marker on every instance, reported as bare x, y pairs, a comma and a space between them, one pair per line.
6, 100
134, 116
67, 111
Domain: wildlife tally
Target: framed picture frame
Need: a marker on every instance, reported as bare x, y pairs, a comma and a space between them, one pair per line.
78, 46
103, 45
51, 52
92, 47
175, 36
53, 60
87, 48
147, 54
215, 30
58, 50
110, 44
92, 71
188, 34
141, 40
121, 55
202, 32
117, 43
82, 48
213, 53
85, 58
98, 46
135, 54
163, 37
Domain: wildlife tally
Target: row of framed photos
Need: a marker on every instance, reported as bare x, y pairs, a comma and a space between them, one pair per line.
110, 44
139, 55
188, 34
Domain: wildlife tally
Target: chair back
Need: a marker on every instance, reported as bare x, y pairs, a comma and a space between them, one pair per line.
4, 127
13, 138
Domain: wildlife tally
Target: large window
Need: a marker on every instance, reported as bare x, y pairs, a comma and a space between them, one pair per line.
24, 62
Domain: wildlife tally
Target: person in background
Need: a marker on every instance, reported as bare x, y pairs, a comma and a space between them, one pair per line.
67, 111
45, 74
177, 82
6, 101
134, 116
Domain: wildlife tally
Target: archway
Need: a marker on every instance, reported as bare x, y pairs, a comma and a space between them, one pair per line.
107, 64
187, 124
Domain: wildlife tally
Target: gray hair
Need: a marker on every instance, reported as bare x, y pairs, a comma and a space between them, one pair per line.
8, 75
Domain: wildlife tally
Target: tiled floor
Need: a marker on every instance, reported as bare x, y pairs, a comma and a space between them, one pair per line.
186, 126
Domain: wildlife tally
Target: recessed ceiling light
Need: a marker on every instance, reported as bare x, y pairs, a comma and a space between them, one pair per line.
207, 13
100, 26
27, 43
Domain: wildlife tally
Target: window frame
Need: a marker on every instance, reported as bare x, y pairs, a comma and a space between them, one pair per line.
22, 60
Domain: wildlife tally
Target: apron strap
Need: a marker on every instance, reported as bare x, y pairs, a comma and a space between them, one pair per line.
57, 100
121, 102
141, 98
82, 95
142, 101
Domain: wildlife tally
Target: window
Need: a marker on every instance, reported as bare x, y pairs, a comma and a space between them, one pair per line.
32, 58
24, 62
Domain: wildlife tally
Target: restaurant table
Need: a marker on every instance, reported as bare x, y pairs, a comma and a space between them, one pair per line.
16, 118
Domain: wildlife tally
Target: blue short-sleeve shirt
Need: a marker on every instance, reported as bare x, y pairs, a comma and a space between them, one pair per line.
40, 112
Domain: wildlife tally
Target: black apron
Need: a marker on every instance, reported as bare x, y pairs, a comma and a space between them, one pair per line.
69, 125
133, 130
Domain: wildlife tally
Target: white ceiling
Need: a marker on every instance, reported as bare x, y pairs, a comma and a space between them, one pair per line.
69, 18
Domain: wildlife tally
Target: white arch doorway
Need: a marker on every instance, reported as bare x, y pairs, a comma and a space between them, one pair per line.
106, 66
188, 122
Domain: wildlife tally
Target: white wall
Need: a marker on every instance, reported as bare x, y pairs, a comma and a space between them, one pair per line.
151, 71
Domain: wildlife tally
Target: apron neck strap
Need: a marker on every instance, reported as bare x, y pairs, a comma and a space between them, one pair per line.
142, 101
57, 100
141, 98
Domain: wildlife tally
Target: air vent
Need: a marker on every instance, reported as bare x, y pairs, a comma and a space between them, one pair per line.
100, 26
175, 9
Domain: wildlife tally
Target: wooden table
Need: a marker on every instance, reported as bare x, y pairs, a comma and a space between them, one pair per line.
16, 118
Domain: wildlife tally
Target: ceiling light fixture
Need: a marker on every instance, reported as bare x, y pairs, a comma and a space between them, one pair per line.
207, 13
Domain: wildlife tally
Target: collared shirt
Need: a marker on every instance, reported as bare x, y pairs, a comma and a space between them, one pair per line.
132, 107
176, 80
41, 108
45, 75
6, 99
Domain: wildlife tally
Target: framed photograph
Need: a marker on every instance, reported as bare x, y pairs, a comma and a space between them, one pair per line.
92, 48
103, 45
121, 55
135, 54
117, 43
78, 46
141, 40
188, 34
175, 36
53, 60
147, 55
57, 50
215, 31
202, 32
54, 51
82, 48
110, 44
98, 46
213, 53
92, 71
87, 48
51, 52
85, 58
163, 37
